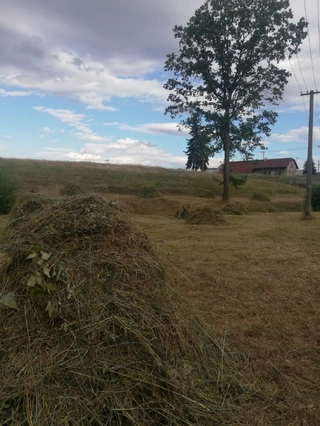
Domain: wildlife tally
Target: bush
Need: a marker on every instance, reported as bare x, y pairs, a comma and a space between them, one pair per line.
8, 193
258, 196
148, 192
315, 198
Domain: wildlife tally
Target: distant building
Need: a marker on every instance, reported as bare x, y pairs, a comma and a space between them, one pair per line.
273, 167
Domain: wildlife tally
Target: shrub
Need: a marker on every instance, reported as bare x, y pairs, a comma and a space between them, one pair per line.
258, 196
237, 181
315, 198
148, 192
8, 193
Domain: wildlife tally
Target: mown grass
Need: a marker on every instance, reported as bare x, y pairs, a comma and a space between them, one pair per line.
254, 280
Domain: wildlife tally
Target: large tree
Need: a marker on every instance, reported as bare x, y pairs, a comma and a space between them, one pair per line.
228, 69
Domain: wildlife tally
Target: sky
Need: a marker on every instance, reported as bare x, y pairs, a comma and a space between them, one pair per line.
83, 80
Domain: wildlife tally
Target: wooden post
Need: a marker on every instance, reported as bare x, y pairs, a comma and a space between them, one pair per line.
307, 207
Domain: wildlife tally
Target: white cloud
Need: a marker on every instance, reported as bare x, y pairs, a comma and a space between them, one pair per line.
114, 123
158, 129
123, 151
74, 120
284, 153
295, 135
18, 93
47, 130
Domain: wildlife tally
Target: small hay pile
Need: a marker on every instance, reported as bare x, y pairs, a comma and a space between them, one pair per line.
72, 189
97, 336
235, 208
183, 211
259, 196
205, 215
26, 206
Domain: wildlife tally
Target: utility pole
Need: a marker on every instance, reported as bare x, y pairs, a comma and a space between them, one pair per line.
307, 207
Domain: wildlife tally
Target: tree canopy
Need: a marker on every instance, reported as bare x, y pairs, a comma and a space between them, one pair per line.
228, 69
305, 165
198, 146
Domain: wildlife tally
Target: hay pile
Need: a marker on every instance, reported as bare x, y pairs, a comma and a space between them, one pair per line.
26, 206
235, 208
97, 336
201, 215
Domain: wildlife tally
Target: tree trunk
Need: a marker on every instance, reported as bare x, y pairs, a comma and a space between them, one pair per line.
226, 172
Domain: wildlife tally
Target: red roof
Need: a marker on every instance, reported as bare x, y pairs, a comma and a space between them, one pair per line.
247, 167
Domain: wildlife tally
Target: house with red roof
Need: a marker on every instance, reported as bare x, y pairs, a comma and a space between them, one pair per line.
273, 167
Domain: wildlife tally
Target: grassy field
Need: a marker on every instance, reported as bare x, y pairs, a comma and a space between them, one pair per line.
254, 279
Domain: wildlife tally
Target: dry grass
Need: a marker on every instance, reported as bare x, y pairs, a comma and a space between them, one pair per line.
257, 280
254, 281
99, 336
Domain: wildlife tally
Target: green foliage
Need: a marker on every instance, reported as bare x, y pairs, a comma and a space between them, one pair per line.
314, 170
8, 193
258, 196
148, 192
199, 148
237, 181
315, 198
226, 70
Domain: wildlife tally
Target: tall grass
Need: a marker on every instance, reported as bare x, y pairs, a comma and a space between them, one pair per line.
130, 179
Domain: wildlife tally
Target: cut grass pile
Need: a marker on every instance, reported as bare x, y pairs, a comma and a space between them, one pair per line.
259, 196
235, 208
25, 206
98, 336
200, 215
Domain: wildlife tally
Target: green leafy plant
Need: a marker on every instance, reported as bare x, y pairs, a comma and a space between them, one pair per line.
315, 198
148, 192
39, 281
8, 193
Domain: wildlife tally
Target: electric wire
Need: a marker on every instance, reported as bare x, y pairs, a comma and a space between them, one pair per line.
318, 16
297, 81
312, 64
309, 41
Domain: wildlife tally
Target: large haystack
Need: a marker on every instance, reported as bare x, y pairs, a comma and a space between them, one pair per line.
98, 336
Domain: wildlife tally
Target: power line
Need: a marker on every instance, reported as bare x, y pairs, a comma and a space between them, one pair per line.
310, 50
295, 76
304, 81
318, 15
